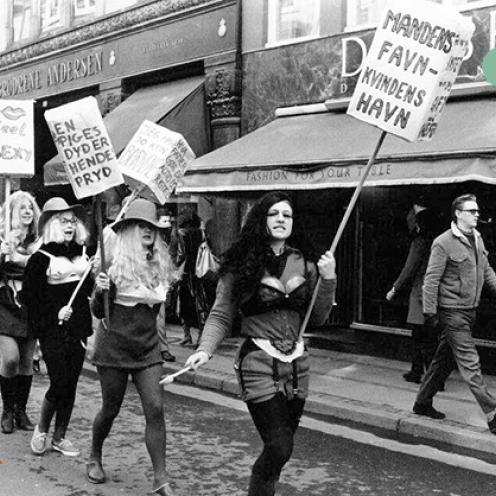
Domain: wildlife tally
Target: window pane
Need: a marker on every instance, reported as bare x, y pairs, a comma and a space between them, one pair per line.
297, 18
21, 19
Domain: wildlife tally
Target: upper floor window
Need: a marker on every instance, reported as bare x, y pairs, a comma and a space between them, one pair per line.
292, 20
84, 7
364, 14
21, 20
51, 14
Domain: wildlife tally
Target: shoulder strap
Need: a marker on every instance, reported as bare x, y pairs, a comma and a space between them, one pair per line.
49, 255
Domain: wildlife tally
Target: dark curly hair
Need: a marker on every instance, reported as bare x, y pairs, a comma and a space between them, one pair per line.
249, 254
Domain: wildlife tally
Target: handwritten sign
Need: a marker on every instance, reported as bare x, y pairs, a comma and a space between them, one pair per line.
83, 143
411, 66
17, 137
155, 160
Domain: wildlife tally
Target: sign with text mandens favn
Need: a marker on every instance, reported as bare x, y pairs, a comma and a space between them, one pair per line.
411, 66
83, 143
17, 137
154, 161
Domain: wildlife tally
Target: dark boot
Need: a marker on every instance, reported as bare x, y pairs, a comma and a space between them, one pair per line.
261, 487
7, 388
21, 399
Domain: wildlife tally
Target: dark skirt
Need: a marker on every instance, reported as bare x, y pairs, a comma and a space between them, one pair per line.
13, 318
131, 342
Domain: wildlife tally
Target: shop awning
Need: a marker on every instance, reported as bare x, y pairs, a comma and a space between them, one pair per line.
178, 105
330, 150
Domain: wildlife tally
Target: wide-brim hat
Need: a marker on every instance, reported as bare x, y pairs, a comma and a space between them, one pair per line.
139, 210
57, 204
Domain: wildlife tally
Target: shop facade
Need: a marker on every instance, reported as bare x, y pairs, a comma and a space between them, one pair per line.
299, 71
174, 63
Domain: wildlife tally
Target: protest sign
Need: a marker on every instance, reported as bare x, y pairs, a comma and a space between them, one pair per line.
411, 66
84, 145
154, 161
16, 137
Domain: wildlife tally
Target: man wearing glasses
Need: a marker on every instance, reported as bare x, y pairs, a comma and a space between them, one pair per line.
458, 268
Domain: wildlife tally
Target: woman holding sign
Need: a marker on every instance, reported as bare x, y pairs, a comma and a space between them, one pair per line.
51, 275
138, 279
269, 276
16, 343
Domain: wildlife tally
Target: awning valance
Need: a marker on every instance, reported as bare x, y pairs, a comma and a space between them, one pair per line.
178, 105
330, 150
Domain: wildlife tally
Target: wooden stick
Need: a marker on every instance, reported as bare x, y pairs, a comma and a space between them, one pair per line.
168, 379
78, 287
99, 223
342, 225
7, 213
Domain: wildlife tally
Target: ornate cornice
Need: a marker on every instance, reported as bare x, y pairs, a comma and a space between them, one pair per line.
100, 29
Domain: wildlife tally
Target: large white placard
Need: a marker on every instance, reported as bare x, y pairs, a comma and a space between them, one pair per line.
84, 145
155, 160
411, 67
17, 137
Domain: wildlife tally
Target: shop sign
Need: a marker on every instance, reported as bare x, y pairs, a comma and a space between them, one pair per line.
84, 145
410, 68
155, 160
17, 137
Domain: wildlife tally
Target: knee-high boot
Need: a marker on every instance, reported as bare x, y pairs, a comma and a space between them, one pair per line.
21, 399
7, 388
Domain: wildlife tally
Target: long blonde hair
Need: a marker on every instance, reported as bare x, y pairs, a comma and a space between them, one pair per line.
132, 265
17, 234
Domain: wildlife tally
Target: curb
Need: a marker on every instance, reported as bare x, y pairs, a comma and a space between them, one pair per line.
383, 417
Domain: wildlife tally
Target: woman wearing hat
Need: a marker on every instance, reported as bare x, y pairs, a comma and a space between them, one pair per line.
16, 343
138, 278
51, 275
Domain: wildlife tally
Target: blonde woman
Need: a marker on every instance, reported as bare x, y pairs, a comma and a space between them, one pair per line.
51, 275
138, 278
16, 343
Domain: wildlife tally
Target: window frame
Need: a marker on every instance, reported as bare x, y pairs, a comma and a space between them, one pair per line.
272, 24
351, 8
86, 10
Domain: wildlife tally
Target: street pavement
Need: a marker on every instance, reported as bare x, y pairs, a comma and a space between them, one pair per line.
369, 391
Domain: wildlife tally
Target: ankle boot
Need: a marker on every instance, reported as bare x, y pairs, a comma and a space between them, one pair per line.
21, 398
7, 388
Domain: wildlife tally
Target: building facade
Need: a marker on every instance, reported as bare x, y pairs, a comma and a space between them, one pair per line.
300, 63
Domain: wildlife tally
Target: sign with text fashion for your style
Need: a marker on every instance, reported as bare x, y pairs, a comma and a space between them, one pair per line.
411, 66
83, 143
16, 137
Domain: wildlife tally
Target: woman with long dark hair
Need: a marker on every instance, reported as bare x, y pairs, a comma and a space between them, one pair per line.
269, 274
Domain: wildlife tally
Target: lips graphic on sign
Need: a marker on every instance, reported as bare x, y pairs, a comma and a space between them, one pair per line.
13, 113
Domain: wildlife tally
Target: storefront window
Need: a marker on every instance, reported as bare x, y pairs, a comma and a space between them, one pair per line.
364, 14
292, 20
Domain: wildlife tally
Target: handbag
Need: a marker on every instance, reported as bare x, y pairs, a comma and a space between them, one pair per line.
7, 297
206, 261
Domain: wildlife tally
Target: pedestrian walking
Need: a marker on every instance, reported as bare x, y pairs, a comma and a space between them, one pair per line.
137, 281
51, 275
268, 274
457, 270
16, 341
424, 340
184, 249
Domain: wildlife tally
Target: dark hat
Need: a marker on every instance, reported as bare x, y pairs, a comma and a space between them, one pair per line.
139, 210
57, 204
